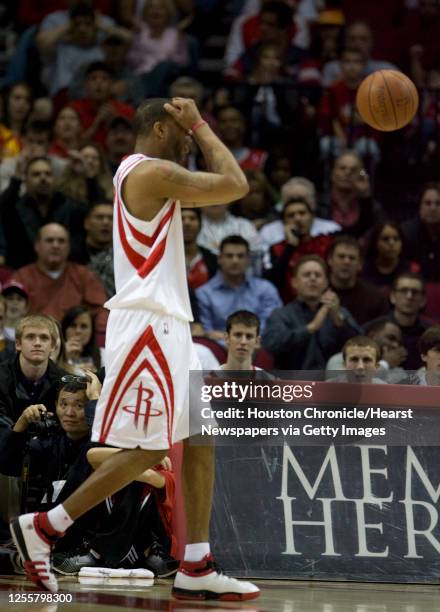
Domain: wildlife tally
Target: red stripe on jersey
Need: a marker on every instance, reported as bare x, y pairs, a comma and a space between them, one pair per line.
147, 340
143, 238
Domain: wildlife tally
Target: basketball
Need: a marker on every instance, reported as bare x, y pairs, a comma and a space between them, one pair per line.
387, 100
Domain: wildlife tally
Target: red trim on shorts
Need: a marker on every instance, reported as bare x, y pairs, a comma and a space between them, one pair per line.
147, 340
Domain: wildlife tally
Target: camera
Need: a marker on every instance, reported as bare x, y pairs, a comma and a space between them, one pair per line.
46, 426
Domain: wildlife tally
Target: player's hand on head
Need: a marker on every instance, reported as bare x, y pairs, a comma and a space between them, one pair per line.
184, 111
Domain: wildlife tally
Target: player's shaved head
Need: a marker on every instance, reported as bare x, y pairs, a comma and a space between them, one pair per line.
148, 113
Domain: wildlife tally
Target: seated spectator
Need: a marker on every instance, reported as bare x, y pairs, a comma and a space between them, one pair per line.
201, 264
30, 380
159, 50
351, 202
364, 301
242, 338
385, 258
218, 223
55, 284
429, 347
358, 35
98, 107
188, 87
422, 235
340, 124
86, 177
58, 353
388, 336
22, 217
231, 128
78, 332
17, 304
282, 257
234, 288
115, 51
408, 299
36, 142
303, 334
257, 204
18, 106
361, 360
302, 188
67, 133
275, 25
119, 142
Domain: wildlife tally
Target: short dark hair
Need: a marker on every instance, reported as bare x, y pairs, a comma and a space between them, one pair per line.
82, 10
435, 185
98, 67
346, 241
96, 203
148, 113
410, 275
282, 11
363, 341
305, 259
429, 339
243, 317
194, 210
234, 239
296, 200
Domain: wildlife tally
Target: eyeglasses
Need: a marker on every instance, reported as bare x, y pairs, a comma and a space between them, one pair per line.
404, 290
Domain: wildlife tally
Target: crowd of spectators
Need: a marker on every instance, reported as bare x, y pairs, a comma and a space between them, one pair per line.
333, 255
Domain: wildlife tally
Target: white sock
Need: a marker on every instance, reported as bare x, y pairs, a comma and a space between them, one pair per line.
196, 552
59, 519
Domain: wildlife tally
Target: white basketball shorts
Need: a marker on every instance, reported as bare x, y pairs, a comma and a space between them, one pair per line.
144, 401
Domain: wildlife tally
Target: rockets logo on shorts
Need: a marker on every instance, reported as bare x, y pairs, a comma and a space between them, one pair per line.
144, 366
143, 406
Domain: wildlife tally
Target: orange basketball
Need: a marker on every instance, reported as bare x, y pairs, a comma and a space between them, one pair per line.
387, 100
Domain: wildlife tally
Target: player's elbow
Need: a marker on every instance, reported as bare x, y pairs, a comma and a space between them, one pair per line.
241, 188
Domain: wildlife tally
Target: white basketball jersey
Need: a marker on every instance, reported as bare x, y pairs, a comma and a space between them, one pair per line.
149, 256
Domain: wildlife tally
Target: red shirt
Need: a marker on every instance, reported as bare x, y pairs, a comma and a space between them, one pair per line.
198, 273
87, 112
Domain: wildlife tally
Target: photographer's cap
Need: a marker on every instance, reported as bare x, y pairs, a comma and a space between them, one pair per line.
13, 286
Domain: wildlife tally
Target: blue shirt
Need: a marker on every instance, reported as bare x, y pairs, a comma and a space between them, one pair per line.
217, 300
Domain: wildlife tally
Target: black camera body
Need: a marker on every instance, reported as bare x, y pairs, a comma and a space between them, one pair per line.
77, 381
43, 428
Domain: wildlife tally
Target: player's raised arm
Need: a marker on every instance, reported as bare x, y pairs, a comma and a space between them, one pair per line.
223, 183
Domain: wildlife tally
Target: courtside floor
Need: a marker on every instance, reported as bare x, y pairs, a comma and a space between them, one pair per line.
277, 596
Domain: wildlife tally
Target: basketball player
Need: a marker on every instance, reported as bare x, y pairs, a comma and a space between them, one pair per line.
143, 406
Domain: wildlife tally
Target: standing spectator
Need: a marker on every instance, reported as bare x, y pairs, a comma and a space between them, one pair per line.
363, 300
282, 258
17, 304
23, 217
351, 201
86, 177
231, 128
78, 332
232, 288
340, 123
159, 50
408, 299
98, 106
67, 132
201, 264
422, 235
385, 258
302, 188
303, 334
56, 284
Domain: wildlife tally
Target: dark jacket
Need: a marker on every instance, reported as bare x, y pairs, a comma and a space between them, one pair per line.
21, 220
424, 248
294, 348
14, 397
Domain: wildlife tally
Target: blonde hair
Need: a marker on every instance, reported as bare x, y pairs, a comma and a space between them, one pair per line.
39, 320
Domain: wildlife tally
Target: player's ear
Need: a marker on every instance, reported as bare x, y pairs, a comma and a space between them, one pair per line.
159, 129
